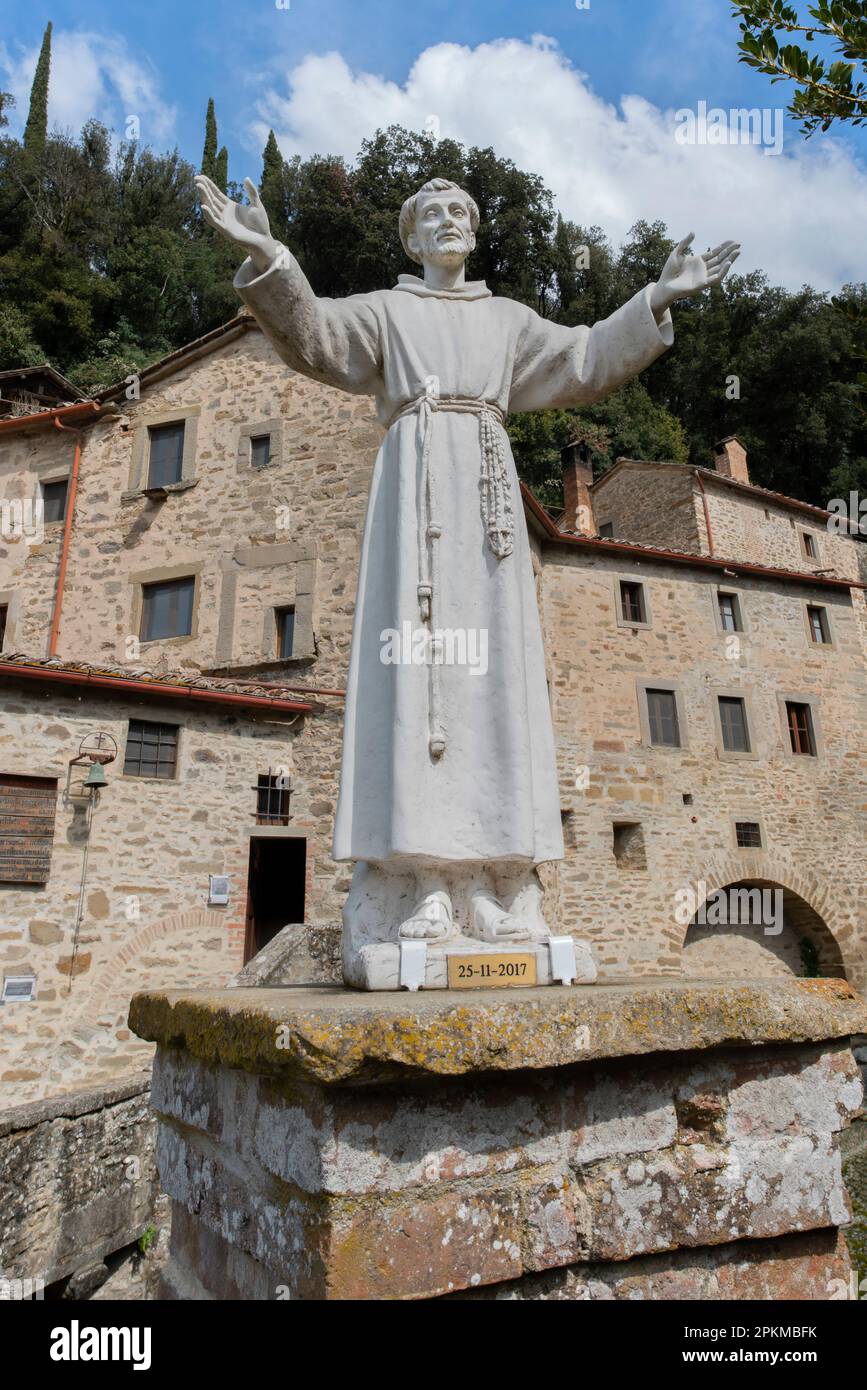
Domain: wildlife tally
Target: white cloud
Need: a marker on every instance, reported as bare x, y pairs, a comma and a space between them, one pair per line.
92, 75
799, 215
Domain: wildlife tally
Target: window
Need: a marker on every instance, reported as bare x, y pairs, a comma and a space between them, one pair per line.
151, 749
272, 799
662, 718
167, 609
27, 809
166, 458
4, 615
285, 631
748, 834
260, 450
632, 604
733, 722
817, 618
808, 544
606, 530
801, 734
54, 501
730, 613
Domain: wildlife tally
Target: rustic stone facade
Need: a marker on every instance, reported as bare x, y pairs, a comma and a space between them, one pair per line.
259, 532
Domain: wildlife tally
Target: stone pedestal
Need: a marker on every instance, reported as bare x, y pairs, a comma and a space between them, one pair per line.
656, 1140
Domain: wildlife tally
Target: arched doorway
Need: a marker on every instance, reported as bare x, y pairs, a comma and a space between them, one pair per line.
794, 941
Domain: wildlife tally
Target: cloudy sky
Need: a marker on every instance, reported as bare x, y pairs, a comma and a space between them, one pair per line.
586, 97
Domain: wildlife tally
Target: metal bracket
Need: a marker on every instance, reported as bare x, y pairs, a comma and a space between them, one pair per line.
564, 966
413, 962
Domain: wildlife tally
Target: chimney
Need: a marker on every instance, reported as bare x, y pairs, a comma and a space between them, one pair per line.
577, 477
730, 459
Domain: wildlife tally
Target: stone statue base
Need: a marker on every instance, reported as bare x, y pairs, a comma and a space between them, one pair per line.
659, 1139
388, 943
466, 964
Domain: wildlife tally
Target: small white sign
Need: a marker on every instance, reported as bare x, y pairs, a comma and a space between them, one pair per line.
218, 889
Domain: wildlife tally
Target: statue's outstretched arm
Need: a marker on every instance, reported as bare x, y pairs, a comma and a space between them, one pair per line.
247, 227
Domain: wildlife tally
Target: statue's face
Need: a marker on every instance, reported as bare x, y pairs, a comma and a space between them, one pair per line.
443, 235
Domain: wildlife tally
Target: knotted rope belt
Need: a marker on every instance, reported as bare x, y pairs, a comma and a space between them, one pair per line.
497, 514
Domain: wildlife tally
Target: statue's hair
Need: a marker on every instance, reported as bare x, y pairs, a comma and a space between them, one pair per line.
406, 221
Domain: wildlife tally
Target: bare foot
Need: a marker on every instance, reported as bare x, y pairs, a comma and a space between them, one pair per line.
490, 922
431, 919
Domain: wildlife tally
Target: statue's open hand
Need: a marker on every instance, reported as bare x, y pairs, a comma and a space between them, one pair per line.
247, 226
684, 274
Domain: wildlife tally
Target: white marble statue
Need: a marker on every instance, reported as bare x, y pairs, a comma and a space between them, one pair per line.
448, 793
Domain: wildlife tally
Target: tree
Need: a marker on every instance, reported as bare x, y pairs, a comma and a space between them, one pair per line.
209, 153
36, 129
826, 90
221, 169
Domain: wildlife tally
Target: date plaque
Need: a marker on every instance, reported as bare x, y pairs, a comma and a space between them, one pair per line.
492, 970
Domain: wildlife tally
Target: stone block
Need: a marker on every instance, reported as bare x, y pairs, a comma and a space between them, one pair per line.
398, 1147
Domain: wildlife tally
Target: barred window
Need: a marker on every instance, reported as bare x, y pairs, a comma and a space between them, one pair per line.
749, 834
272, 798
151, 750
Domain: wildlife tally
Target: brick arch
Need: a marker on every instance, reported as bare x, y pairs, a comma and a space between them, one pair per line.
107, 976
779, 870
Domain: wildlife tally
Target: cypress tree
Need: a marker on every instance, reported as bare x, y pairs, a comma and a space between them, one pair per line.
221, 170
36, 129
209, 153
271, 188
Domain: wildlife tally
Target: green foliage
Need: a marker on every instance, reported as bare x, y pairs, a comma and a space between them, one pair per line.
36, 129
826, 87
209, 153
628, 424
106, 263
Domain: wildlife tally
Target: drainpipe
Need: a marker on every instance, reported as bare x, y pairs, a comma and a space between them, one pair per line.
697, 476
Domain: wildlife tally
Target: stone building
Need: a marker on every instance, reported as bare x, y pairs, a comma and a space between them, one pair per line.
177, 577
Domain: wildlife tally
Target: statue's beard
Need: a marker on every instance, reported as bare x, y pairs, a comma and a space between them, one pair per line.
446, 253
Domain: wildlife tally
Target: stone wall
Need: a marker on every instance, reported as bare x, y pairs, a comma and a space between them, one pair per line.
651, 504
686, 800
78, 1180
153, 844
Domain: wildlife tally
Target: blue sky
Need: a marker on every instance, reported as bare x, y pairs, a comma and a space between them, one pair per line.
583, 96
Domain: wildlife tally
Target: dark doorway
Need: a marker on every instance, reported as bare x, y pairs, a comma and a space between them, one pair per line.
275, 888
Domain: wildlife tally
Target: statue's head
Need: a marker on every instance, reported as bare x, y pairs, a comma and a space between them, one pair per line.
438, 224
